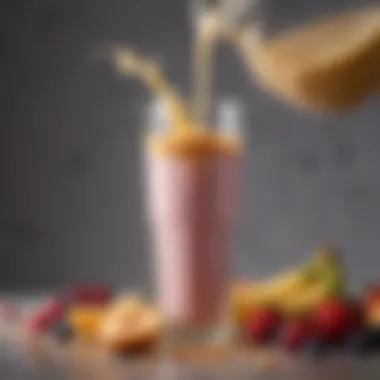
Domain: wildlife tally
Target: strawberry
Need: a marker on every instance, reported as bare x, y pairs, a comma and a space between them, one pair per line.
263, 326
336, 319
297, 334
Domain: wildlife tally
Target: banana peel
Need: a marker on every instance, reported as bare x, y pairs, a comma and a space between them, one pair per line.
330, 270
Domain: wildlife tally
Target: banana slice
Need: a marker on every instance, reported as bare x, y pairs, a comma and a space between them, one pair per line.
86, 321
130, 324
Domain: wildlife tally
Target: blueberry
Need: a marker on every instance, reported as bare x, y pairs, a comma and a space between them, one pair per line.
63, 332
359, 343
316, 348
364, 342
275, 339
375, 339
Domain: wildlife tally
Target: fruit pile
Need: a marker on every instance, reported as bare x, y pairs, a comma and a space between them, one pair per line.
308, 310
90, 313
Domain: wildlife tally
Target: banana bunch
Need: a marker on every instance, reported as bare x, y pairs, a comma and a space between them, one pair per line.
294, 293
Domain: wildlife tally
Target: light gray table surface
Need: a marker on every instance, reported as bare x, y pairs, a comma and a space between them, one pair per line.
24, 359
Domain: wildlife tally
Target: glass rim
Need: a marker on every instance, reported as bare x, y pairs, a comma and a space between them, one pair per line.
228, 115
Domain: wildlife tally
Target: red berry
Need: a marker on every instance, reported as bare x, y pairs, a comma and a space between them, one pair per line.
49, 313
38, 324
91, 294
297, 334
263, 326
336, 319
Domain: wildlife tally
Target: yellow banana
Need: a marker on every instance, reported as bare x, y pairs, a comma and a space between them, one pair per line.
329, 282
281, 284
295, 292
267, 293
306, 301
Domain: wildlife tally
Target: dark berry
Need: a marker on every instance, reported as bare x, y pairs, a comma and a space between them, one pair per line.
316, 348
263, 326
63, 332
375, 339
296, 335
357, 316
364, 342
91, 294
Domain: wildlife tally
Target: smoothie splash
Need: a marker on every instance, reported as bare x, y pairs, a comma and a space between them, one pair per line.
130, 64
185, 135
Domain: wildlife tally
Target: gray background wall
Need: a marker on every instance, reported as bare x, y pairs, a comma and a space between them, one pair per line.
70, 198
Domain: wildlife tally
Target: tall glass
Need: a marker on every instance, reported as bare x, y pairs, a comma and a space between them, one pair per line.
192, 183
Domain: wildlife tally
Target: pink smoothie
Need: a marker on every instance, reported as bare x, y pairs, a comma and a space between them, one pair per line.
192, 203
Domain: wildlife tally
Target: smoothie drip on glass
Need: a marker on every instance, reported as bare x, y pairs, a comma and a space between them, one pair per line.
191, 186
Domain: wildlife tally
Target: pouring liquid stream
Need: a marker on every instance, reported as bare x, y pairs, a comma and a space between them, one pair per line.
206, 38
